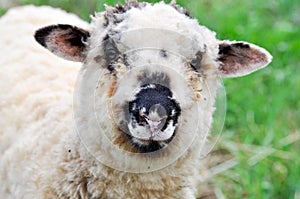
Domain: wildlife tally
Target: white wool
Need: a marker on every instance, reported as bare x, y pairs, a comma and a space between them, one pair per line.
37, 107
37, 129
41, 154
166, 22
37, 89
23, 59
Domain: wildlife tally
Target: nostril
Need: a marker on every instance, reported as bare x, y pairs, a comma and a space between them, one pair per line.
154, 125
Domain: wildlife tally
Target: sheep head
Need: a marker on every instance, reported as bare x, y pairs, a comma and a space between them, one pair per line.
150, 74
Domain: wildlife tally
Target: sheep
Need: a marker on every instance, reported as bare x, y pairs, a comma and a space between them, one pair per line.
134, 122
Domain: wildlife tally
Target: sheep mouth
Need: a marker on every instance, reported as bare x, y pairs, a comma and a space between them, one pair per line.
149, 145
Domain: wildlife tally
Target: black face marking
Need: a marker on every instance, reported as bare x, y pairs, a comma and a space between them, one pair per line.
163, 53
111, 53
150, 147
111, 68
157, 98
110, 50
154, 78
149, 96
125, 60
196, 62
147, 146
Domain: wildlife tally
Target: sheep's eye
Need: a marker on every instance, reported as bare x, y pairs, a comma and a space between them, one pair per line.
196, 62
111, 52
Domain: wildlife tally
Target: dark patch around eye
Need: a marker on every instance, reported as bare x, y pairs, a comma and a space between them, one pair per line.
111, 52
196, 62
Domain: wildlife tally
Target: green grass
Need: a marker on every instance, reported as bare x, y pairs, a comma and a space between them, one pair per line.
262, 127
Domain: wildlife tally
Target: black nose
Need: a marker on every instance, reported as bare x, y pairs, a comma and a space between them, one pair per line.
155, 96
152, 94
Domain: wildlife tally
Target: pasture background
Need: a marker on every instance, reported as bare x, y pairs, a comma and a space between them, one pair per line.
259, 149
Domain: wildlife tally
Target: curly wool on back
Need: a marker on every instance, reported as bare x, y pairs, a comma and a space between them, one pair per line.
36, 105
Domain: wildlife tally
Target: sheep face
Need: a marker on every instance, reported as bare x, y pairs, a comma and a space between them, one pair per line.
150, 73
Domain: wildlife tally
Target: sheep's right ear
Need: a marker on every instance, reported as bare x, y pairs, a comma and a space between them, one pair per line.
65, 41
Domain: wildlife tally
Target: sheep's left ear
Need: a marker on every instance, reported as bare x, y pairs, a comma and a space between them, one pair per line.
241, 58
65, 41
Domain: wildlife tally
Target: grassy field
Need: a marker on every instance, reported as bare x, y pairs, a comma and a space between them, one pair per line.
262, 127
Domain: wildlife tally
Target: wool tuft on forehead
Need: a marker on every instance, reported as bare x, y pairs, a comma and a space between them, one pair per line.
169, 23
